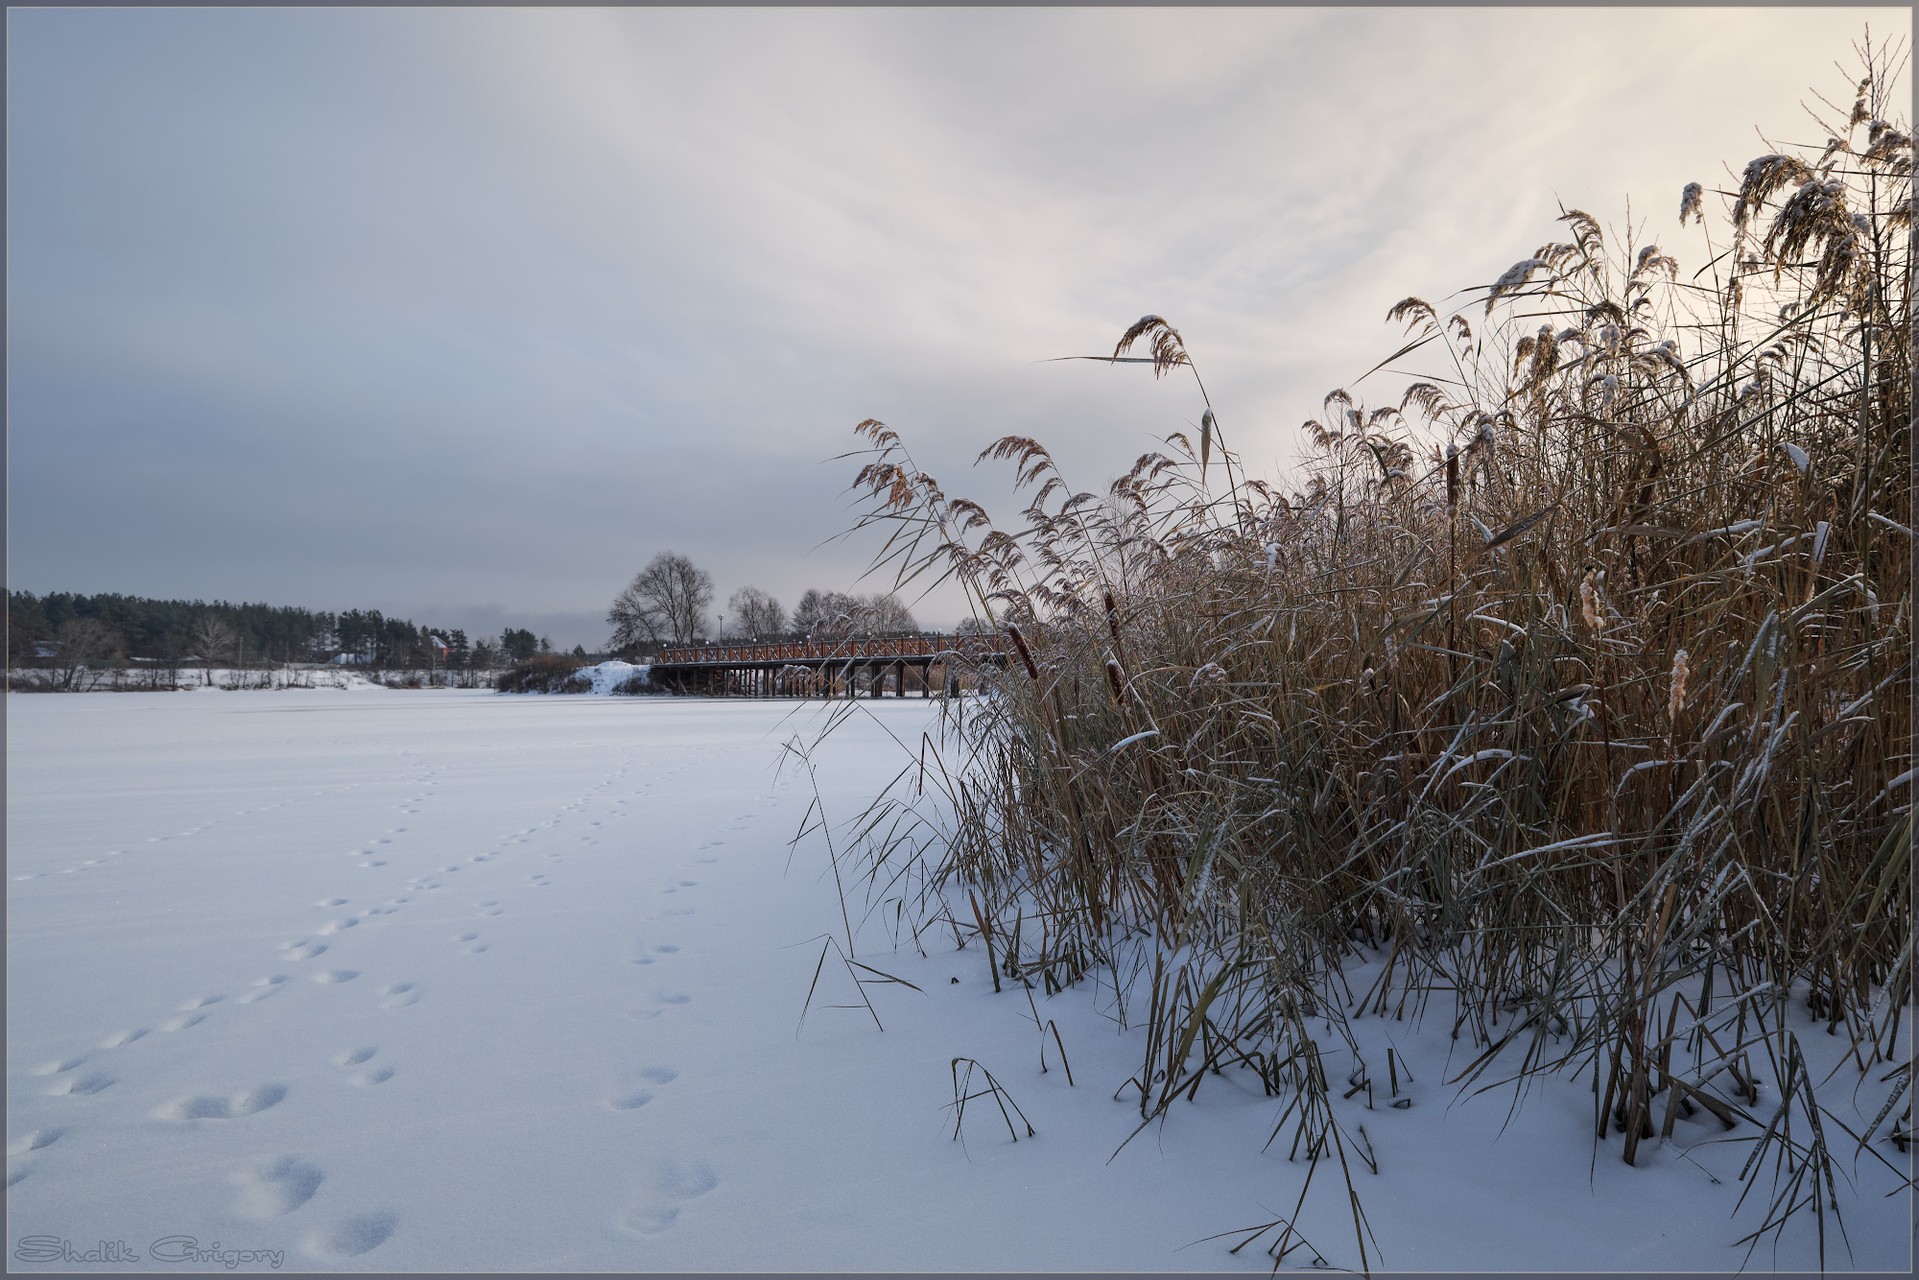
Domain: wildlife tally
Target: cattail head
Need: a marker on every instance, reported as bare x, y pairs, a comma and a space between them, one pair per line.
1452, 477
1116, 680
1676, 699
1025, 654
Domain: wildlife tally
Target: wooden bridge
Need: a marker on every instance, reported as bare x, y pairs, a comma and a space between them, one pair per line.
848, 668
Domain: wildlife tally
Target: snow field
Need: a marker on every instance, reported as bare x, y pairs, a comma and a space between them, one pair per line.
446, 980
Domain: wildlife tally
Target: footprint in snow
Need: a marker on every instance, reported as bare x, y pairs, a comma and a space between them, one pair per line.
672, 1185
34, 1141
273, 1189
341, 925
208, 1106
331, 902
376, 1075
354, 1057
399, 995
199, 1002
184, 1021
59, 1065
304, 950
126, 1037
351, 1237
661, 1003
333, 977
263, 987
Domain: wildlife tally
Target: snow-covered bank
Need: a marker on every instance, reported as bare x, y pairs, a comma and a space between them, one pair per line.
466, 982
616, 676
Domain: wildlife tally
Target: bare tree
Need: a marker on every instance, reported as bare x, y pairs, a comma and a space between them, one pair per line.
756, 614
664, 604
79, 646
885, 613
825, 615
214, 639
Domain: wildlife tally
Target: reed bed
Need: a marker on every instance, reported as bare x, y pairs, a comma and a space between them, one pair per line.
1571, 686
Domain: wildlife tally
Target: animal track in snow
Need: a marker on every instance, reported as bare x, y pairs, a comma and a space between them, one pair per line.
331, 902
377, 1075
351, 1237
199, 1002
55, 1067
341, 925
184, 1021
125, 1037
333, 977
271, 1190
211, 1107
632, 1100
354, 1057
304, 950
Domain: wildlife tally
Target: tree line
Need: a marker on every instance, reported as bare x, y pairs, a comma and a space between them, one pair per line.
73, 633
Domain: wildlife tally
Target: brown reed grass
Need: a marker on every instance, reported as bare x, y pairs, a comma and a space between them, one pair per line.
1575, 679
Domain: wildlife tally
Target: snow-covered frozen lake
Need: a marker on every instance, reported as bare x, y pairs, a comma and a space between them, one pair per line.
441, 980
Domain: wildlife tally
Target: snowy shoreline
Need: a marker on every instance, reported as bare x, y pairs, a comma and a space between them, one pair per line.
517, 984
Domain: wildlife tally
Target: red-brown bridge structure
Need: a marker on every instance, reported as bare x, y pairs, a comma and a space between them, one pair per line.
849, 668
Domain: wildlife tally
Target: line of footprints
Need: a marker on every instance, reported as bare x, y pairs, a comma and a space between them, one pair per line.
279, 1186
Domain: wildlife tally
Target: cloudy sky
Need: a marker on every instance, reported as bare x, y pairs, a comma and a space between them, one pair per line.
465, 314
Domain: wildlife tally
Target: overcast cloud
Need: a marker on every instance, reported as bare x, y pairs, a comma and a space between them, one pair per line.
465, 314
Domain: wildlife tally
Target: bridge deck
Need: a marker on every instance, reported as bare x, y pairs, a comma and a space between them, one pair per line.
824, 668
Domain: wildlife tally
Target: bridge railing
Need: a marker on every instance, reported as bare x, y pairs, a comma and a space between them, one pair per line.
920, 645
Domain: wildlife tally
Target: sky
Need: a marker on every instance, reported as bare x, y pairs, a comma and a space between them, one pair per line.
465, 314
